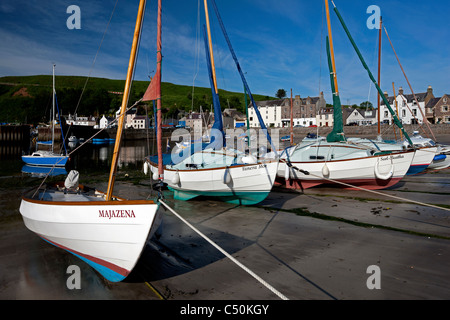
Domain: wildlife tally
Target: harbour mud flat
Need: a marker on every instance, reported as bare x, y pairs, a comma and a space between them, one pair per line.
320, 244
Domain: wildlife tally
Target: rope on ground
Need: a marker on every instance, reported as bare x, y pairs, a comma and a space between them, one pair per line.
280, 295
372, 191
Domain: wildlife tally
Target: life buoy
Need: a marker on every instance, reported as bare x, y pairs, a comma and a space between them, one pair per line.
176, 178
227, 176
385, 176
155, 175
325, 171
287, 172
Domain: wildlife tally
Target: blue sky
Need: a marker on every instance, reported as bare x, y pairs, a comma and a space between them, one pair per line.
279, 44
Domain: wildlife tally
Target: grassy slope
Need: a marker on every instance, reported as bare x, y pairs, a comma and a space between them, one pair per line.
172, 93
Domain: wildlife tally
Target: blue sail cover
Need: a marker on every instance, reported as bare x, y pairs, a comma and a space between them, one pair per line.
244, 81
217, 134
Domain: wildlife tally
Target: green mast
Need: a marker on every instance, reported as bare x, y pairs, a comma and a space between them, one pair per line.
385, 100
337, 134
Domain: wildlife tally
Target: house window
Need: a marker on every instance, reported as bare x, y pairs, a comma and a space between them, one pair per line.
403, 113
444, 108
386, 114
414, 112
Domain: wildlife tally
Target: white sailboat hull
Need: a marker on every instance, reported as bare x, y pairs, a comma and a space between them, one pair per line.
373, 172
240, 184
422, 159
108, 235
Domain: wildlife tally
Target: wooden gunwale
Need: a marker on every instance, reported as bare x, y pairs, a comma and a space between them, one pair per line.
118, 201
218, 168
351, 159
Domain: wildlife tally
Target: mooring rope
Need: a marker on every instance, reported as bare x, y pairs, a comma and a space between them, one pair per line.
254, 275
367, 190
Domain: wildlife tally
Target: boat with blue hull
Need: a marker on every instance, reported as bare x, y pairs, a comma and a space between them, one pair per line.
43, 157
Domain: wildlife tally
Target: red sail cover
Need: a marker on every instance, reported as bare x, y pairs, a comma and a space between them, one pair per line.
154, 89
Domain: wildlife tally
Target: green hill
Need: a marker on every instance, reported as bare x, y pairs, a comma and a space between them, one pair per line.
29, 99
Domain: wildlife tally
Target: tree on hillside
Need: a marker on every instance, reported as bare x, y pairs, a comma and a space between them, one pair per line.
281, 93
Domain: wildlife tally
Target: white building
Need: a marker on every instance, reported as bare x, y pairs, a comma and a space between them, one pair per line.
103, 123
140, 122
270, 112
80, 121
325, 117
352, 116
409, 111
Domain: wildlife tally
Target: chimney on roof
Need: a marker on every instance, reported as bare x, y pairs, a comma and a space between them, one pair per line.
400, 91
386, 94
430, 90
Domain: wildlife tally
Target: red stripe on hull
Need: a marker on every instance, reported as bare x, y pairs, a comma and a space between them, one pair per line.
370, 184
106, 264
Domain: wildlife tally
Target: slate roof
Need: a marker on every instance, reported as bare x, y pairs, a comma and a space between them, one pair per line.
432, 102
409, 98
268, 103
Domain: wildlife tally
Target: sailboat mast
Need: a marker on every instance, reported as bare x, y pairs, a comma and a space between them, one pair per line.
158, 95
338, 123
292, 120
126, 96
53, 110
241, 73
410, 87
211, 52
396, 111
379, 78
218, 121
363, 62
331, 48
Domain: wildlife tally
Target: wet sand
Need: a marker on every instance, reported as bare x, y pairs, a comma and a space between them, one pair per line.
315, 245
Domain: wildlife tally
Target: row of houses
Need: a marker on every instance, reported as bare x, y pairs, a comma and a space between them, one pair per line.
313, 111
306, 112
413, 109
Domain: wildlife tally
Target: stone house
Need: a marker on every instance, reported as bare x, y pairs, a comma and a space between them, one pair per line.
233, 119
438, 109
305, 110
